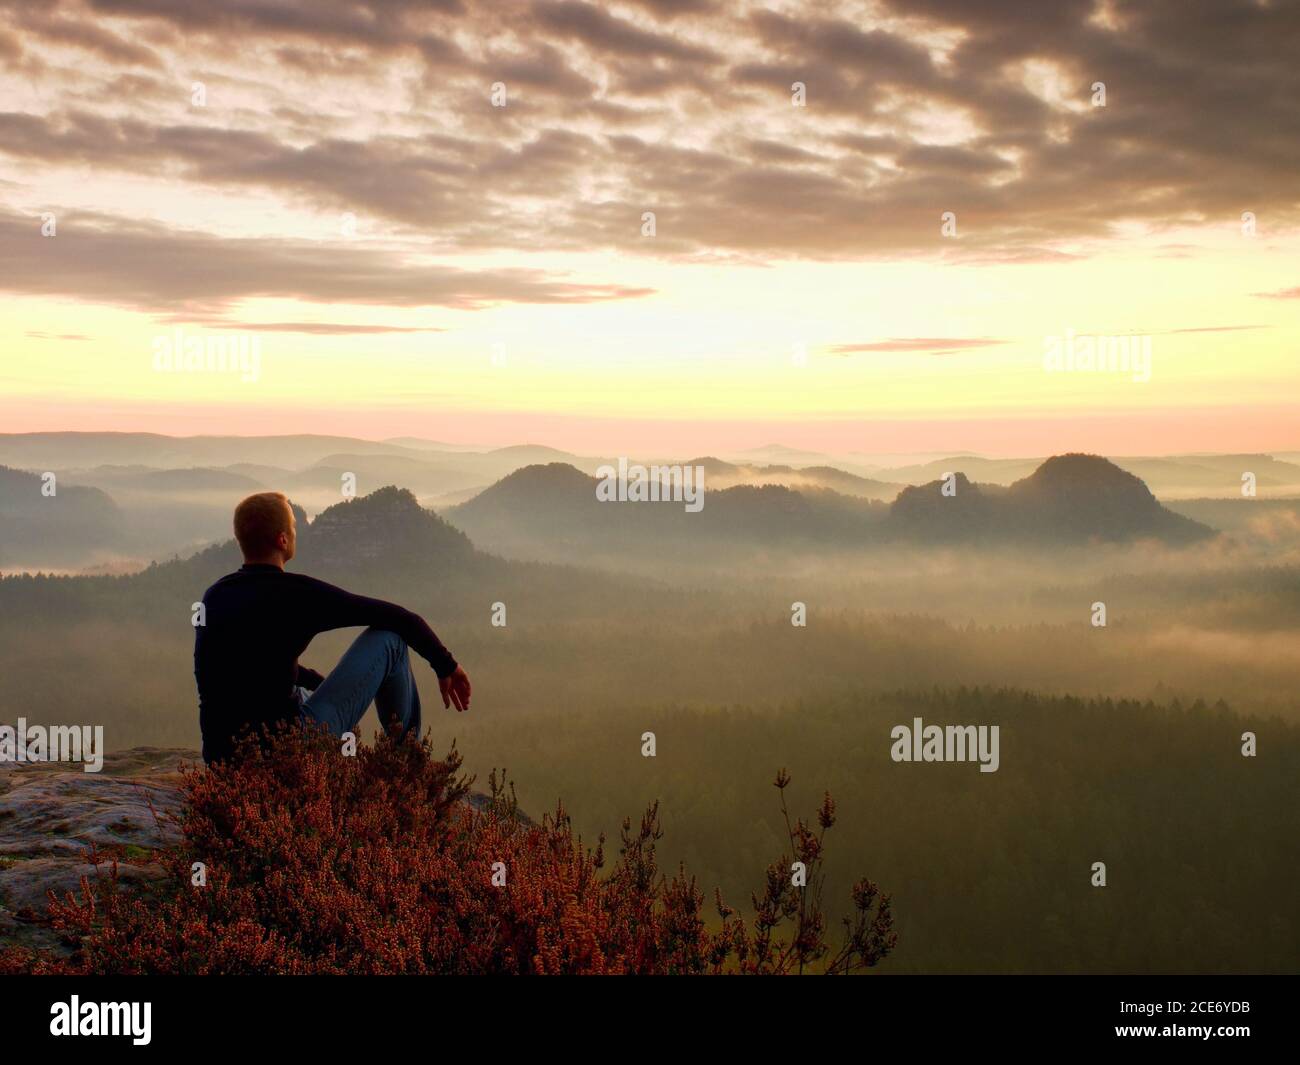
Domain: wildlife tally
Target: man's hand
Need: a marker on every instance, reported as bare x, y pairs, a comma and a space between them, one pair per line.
455, 690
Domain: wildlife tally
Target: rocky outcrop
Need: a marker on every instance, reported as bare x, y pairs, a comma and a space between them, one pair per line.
54, 817
388, 523
1068, 499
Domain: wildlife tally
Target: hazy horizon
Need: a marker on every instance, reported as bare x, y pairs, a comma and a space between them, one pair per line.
876, 226
738, 448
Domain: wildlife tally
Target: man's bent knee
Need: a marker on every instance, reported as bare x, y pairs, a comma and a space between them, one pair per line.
389, 639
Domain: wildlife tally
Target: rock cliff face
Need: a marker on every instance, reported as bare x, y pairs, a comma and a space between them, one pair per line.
54, 816
1069, 498
387, 523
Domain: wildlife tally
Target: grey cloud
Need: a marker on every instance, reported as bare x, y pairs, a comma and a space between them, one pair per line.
10, 47
318, 328
673, 8
49, 25
603, 31
1218, 329
152, 267
545, 69
383, 22
1203, 102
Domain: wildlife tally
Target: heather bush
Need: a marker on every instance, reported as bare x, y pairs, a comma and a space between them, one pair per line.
318, 863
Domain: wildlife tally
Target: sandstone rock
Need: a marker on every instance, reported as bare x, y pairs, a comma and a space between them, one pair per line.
52, 815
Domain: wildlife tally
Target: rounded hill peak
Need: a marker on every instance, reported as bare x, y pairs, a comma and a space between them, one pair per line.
389, 523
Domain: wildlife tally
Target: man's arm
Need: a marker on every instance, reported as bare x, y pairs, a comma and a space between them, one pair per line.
309, 678
330, 607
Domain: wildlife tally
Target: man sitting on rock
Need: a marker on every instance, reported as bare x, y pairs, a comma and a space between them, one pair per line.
259, 619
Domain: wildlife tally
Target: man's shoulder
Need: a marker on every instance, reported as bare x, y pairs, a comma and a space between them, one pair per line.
245, 577
282, 580
221, 583
301, 578
309, 584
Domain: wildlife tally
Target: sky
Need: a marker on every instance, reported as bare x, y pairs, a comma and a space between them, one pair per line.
664, 224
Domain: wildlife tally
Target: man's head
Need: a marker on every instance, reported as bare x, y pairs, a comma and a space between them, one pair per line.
265, 528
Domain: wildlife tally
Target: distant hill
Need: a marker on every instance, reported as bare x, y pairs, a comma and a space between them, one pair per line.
976, 467
790, 456
384, 527
260, 472
1176, 476
192, 479
540, 511
176, 494
1069, 498
428, 473
86, 450
552, 512
532, 452
1169, 477
720, 473
536, 486
420, 444
58, 530
1190, 476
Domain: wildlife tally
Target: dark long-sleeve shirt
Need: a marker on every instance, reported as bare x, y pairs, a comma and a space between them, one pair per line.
257, 621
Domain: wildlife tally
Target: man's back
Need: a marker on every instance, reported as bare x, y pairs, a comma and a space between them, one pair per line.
246, 654
257, 621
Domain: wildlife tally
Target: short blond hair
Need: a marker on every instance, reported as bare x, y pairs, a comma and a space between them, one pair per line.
259, 521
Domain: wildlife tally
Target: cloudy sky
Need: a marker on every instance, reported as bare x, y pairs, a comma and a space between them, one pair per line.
673, 224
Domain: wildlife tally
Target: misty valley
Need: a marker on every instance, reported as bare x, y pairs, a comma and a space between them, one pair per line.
941, 672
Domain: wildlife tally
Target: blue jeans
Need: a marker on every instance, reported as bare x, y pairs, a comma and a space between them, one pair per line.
377, 667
